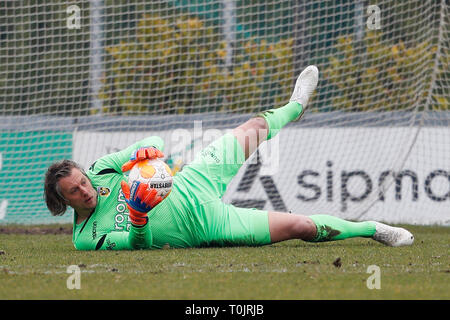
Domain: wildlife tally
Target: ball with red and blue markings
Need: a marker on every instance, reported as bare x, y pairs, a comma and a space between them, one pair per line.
155, 173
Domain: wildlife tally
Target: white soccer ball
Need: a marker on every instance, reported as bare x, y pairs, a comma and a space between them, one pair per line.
156, 173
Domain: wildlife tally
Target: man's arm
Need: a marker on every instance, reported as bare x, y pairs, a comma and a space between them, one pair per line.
114, 161
136, 238
139, 237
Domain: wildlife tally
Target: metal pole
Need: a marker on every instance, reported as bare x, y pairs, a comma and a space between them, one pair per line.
359, 20
301, 38
229, 29
96, 53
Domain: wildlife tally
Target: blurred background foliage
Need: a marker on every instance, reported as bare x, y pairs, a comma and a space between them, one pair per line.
168, 56
179, 66
44, 66
390, 73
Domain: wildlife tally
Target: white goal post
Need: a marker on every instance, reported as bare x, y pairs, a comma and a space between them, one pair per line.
80, 79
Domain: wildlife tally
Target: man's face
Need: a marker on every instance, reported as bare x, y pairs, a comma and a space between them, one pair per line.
78, 191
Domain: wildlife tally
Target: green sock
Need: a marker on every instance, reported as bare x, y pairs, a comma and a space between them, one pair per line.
330, 228
279, 117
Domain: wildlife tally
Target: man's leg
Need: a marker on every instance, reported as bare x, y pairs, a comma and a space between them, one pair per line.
315, 228
267, 124
285, 226
251, 134
320, 228
304, 87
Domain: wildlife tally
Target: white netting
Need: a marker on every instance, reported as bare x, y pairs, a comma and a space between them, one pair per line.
82, 79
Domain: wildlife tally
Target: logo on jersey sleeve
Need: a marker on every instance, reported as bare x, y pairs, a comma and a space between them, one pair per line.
103, 191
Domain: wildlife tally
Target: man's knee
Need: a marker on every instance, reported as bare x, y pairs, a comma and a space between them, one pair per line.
285, 226
256, 128
259, 123
303, 228
251, 133
307, 228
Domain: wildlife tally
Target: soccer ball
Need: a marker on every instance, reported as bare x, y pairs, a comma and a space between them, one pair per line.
156, 173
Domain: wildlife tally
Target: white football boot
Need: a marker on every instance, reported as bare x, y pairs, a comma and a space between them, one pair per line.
392, 236
304, 87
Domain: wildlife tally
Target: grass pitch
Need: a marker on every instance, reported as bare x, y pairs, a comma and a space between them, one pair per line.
34, 266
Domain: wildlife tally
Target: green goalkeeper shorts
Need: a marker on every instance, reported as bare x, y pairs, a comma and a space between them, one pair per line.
203, 218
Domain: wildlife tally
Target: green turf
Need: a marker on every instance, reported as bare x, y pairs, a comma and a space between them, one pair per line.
35, 267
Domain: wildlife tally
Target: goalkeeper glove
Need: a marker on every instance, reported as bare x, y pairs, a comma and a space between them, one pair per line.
140, 200
142, 154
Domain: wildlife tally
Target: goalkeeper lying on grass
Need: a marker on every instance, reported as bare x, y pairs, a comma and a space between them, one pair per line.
193, 215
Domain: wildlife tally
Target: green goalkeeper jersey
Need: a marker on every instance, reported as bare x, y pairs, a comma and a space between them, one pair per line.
192, 215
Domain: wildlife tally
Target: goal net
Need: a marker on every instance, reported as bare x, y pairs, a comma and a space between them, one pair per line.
80, 79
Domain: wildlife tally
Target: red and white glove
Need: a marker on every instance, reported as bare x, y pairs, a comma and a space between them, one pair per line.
140, 200
142, 154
